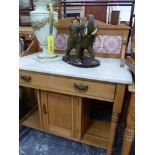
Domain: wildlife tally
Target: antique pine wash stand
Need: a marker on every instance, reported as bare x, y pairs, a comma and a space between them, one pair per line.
64, 95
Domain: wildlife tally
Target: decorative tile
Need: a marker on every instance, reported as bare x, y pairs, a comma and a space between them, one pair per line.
112, 44
60, 42
108, 44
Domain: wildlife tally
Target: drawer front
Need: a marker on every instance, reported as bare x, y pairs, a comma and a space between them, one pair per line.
83, 88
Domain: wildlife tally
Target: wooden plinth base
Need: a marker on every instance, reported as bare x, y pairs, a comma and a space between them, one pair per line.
85, 62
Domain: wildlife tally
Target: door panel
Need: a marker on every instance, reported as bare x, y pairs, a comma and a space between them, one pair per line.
60, 110
60, 114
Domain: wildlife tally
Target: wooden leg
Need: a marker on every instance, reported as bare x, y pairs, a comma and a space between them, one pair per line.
39, 108
130, 127
124, 112
117, 106
114, 122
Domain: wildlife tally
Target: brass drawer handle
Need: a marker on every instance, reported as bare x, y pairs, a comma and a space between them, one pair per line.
26, 78
80, 88
45, 109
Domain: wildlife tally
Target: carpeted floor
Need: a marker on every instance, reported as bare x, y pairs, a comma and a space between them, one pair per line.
34, 142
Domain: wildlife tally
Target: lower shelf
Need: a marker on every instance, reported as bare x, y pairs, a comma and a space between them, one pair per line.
33, 121
97, 134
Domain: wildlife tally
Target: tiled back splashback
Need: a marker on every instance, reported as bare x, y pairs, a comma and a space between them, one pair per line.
107, 44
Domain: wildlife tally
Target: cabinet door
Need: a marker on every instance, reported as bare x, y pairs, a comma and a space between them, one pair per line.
60, 113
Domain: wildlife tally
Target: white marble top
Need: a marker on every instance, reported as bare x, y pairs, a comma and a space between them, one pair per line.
109, 70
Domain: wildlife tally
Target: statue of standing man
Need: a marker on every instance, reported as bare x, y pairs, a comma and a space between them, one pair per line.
75, 38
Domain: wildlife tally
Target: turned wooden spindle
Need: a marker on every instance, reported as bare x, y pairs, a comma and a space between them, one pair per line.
117, 106
114, 122
130, 127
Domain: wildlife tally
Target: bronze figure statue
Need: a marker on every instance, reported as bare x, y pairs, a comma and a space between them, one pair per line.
82, 37
74, 40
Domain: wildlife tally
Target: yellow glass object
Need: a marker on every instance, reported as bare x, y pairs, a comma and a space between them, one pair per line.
50, 40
